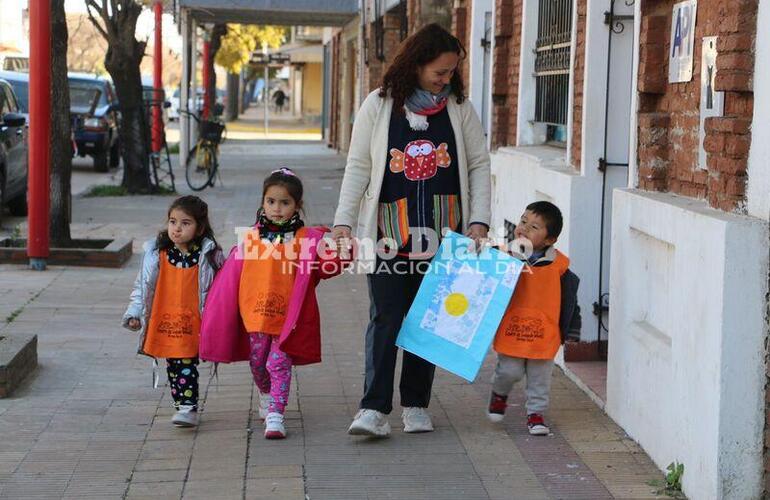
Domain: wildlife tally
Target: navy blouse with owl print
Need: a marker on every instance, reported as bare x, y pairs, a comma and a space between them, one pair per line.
421, 188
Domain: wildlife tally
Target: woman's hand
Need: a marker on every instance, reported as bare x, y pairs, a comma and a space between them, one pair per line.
342, 235
134, 324
478, 233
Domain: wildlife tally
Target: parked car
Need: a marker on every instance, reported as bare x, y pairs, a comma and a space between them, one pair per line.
20, 83
173, 110
96, 133
148, 95
13, 152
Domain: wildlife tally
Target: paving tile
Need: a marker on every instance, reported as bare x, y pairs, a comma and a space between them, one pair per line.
73, 431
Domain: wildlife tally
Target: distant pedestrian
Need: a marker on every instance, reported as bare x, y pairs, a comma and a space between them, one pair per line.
279, 96
542, 315
263, 306
170, 290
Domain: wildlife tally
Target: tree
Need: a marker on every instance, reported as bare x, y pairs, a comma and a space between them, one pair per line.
241, 40
217, 32
237, 46
116, 22
60, 144
85, 46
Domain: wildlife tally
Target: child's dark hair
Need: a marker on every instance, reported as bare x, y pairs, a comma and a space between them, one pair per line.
198, 210
286, 178
550, 214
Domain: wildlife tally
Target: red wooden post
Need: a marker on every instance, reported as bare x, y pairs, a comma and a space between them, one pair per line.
39, 132
206, 76
158, 98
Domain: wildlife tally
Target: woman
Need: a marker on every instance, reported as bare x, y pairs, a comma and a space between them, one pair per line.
417, 165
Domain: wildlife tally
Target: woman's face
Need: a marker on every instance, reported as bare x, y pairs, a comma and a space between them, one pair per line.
437, 73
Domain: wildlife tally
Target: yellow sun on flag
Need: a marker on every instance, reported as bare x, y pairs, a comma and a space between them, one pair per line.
456, 304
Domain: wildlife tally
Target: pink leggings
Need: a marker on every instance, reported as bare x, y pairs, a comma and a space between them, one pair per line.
271, 369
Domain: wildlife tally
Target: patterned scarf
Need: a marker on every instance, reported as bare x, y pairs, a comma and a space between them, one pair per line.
422, 104
275, 231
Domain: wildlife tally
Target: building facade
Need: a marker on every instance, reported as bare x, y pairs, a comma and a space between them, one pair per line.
643, 121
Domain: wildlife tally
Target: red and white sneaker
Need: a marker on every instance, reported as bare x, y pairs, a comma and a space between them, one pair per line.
274, 428
536, 425
497, 406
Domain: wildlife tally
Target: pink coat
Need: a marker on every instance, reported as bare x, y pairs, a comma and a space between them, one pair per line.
224, 338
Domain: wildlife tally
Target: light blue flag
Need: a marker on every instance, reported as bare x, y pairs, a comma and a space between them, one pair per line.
459, 306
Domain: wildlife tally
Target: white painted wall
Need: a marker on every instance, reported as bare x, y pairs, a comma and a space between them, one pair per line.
527, 132
525, 174
593, 126
758, 189
686, 368
476, 52
522, 175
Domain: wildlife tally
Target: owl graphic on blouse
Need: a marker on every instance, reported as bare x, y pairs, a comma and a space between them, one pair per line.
420, 159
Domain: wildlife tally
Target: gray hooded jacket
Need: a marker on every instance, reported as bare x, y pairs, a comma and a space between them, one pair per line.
140, 305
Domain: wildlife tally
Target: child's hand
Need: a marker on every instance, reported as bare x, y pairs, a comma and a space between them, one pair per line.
134, 324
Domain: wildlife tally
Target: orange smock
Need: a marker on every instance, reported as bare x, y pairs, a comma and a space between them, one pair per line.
267, 280
175, 320
530, 327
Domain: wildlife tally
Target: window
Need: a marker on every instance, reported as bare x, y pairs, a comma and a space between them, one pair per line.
7, 101
4, 108
552, 61
21, 89
13, 107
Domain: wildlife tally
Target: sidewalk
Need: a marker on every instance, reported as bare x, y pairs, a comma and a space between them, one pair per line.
88, 424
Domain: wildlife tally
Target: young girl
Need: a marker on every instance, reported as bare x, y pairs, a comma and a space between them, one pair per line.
263, 306
177, 270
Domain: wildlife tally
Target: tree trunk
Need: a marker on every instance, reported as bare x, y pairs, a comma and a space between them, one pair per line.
122, 61
217, 33
232, 97
61, 132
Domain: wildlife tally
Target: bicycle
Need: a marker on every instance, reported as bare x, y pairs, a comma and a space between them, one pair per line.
160, 162
202, 164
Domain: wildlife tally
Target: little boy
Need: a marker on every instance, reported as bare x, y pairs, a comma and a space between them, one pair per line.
542, 314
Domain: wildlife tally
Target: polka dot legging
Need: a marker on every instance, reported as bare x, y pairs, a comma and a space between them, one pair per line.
183, 380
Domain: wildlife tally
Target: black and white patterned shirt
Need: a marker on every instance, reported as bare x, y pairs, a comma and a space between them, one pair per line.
179, 259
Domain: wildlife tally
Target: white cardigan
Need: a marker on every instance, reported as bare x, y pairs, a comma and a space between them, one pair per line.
368, 154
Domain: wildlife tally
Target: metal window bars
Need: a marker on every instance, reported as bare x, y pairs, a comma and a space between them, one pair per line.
552, 61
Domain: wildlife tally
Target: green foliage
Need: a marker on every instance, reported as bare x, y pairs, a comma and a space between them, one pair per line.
673, 484
241, 40
106, 190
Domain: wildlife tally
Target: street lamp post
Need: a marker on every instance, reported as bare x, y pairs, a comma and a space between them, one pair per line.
39, 132
267, 86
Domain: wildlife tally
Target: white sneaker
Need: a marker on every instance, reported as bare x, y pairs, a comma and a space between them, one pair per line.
186, 416
264, 404
274, 428
369, 423
416, 420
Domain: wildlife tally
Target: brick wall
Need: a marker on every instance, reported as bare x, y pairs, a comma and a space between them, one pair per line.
376, 68
505, 74
578, 77
668, 125
462, 17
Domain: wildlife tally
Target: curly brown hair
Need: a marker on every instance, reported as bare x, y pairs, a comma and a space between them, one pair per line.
419, 49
